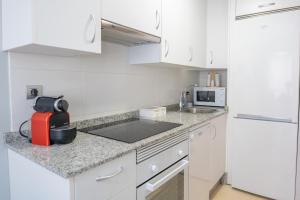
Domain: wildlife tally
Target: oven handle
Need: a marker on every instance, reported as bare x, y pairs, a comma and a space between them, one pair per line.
168, 175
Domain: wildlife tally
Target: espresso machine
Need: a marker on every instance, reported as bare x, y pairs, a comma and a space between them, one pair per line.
50, 124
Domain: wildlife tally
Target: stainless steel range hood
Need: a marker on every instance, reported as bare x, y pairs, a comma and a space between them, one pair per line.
117, 33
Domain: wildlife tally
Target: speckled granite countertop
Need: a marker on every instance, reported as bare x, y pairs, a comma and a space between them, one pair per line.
88, 151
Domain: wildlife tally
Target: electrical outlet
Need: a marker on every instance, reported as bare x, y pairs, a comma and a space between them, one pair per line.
33, 91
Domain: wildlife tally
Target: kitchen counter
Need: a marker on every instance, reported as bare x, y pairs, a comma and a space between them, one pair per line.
89, 151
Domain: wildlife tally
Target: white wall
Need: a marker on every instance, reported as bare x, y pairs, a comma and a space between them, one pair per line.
95, 85
4, 102
4, 120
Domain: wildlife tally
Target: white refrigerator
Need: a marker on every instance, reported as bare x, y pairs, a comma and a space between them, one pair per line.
264, 104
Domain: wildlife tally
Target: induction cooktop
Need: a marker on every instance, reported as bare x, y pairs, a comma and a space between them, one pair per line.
131, 130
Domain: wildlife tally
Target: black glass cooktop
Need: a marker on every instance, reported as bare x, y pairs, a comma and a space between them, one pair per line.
131, 130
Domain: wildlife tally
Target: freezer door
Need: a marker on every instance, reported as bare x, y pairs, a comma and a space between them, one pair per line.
264, 158
264, 73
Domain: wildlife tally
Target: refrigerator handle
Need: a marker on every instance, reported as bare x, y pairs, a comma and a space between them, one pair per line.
263, 118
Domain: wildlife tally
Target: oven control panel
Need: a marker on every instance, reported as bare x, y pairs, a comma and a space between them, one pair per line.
158, 163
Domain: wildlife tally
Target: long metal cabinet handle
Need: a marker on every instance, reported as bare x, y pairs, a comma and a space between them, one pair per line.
166, 48
102, 178
215, 132
91, 21
266, 5
174, 172
263, 118
191, 54
157, 17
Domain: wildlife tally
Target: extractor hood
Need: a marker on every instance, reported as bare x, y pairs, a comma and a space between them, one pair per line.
117, 33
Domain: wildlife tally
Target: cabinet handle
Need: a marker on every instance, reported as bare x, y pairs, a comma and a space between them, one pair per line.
266, 5
157, 17
167, 175
191, 54
211, 57
192, 137
166, 48
215, 132
102, 178
90, 37
263, 118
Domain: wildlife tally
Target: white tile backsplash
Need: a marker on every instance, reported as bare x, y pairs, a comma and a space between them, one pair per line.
94, 85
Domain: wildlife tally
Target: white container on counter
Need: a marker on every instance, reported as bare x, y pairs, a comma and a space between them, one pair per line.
152, 112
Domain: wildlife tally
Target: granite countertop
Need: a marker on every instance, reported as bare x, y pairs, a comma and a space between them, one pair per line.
89, 151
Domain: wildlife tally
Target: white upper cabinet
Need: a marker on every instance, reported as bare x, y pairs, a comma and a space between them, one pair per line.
180, 39
217, 34
57, 27
142, 15
174, 32
196, 32
248, 7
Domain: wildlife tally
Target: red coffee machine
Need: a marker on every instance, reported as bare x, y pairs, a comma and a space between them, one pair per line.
50, 124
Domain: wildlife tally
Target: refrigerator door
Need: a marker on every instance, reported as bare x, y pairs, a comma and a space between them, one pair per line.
264, 158
265, 67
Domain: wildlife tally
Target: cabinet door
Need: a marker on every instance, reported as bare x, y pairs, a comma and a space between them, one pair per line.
106, 181
127, 194
217, 158
264, 158
268, 45
174, 33
198, 189
217, 34
199, 163
143, 15
246, 7
52, 27
183, 36
196, 27
68, 24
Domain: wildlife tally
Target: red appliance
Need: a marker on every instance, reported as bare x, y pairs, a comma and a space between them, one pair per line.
50, 124
40, 128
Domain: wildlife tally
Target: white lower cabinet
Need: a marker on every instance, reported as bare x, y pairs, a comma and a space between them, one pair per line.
217, 149
198, 189
199, 163
115, 180
107, 181
128, 193
207, 157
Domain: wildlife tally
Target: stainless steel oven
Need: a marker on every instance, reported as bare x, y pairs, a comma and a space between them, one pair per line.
171, 184
163, 175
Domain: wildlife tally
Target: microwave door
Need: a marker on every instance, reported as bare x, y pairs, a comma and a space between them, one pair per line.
211, 96
202, 96
206, 96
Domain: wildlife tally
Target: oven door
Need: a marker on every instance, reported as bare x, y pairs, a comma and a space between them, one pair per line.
171, 184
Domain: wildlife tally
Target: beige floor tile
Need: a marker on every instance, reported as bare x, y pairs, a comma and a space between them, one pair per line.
226, 192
